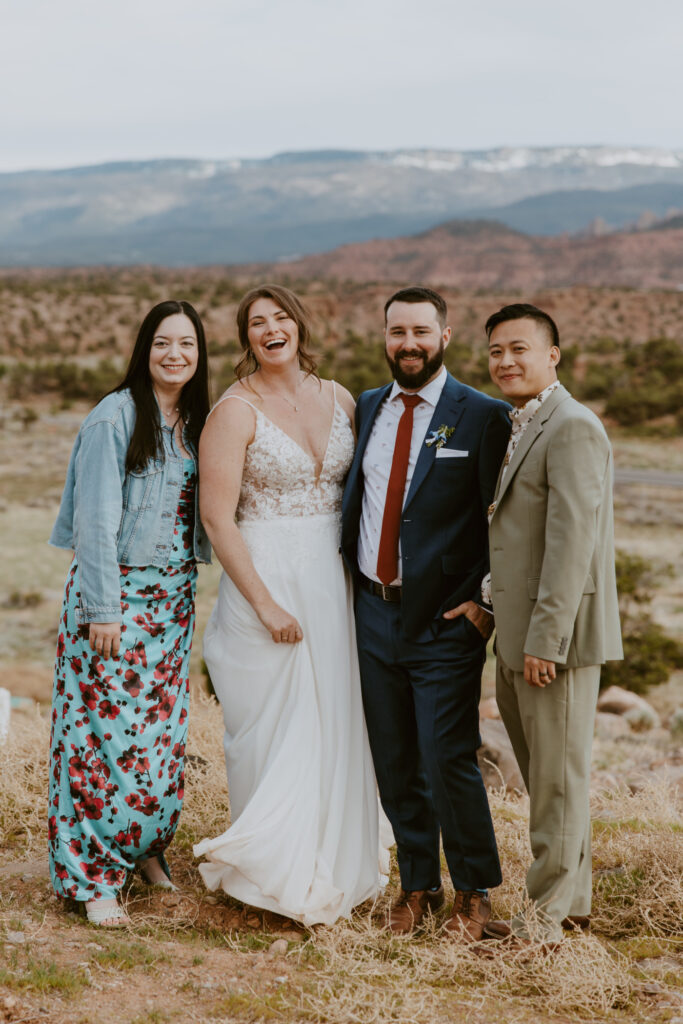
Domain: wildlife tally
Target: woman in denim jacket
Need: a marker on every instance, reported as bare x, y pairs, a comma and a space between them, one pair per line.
130, 512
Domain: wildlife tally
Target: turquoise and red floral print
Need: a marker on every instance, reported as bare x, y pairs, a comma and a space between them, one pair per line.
119, 726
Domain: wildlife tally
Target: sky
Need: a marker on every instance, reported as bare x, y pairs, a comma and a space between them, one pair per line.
86, 81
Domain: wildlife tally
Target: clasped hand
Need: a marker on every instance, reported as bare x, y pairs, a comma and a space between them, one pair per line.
282, 626
105, 638
538, 671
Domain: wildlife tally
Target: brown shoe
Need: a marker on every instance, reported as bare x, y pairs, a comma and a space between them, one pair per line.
577, 922
497, 930
471, 911
502, 930
408, 912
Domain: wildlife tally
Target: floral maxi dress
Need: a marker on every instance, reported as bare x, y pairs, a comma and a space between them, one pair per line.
119, 726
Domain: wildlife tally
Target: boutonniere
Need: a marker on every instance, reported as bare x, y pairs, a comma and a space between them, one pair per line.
439, 436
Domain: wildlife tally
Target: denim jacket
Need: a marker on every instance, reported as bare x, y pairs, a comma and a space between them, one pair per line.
110, 517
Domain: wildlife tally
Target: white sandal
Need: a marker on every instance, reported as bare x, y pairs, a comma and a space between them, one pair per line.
106, 915
164, 883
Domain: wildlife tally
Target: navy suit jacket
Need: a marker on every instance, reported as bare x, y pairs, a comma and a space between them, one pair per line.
444, 526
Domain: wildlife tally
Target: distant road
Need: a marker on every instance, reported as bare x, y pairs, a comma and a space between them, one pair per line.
653, 477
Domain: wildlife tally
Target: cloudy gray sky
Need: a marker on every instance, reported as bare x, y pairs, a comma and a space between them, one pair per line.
83, 81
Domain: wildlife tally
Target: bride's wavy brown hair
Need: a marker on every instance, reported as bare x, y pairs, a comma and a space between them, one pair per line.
294, 308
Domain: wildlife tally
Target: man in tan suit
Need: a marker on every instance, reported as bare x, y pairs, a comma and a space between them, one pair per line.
554, 597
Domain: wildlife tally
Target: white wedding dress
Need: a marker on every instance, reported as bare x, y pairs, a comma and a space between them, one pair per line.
303, 840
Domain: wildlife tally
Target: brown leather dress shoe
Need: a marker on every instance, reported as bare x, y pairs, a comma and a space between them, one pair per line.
577, 922
471, 911
502, 930
497, 930
408, 912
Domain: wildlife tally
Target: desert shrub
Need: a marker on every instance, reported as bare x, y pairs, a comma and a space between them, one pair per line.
650, 654
18, 378
231, 348
24, 599
650, 384
470, 367
28, 415
357, 362
566, 370
632, 406
598, 380
606, 345
66, 378
223, 375
637, 579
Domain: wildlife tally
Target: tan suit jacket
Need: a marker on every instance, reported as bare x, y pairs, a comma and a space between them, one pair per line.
552, 542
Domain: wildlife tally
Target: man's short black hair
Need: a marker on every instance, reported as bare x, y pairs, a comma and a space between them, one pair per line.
419, 294
525, 311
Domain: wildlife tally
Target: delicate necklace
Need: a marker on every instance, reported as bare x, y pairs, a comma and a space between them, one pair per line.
164, 413
295, 407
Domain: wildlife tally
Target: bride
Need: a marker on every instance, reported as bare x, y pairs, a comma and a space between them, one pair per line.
280, 644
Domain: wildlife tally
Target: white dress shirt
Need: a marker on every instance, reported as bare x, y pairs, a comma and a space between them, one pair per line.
379, 454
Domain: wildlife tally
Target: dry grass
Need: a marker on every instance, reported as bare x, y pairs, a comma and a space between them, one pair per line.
364, 975
638, 862
355, 972
23, 788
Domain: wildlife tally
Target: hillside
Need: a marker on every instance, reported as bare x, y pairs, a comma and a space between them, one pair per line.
485, 254
65, 335
571, 210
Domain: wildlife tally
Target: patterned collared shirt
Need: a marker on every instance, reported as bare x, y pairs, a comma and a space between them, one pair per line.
521, 418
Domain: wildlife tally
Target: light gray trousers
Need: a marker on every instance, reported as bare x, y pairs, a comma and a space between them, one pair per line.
551, 730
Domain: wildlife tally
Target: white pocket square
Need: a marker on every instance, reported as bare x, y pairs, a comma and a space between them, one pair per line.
451, 453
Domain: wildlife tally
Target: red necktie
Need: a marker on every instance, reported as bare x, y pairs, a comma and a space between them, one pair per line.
387, 558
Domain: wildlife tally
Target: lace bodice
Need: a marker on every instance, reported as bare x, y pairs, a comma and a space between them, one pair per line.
280, 479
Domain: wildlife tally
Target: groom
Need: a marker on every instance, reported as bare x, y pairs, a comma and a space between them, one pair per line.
414, 534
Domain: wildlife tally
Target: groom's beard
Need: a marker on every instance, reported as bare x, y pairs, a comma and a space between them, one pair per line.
416, 378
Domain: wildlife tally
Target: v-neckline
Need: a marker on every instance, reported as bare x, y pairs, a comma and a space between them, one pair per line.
296, 443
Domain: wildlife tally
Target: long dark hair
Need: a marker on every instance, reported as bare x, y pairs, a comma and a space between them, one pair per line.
293, 307
147, 442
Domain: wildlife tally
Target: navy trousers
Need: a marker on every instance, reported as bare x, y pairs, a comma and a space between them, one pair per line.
421, 705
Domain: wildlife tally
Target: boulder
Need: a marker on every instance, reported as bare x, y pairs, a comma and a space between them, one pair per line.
278, 948
608, 725
617, 701
496, 757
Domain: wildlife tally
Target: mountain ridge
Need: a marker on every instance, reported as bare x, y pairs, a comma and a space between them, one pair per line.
178, 212
491, 255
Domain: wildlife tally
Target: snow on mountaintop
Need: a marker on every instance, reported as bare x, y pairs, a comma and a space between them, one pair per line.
519, 158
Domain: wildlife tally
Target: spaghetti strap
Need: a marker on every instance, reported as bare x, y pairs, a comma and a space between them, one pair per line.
239, 399
334, 391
